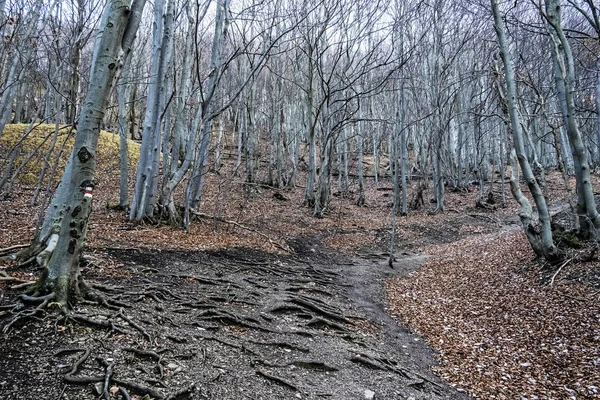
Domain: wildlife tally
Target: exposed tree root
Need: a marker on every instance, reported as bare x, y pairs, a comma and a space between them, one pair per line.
80, 360
150, 354
320, 323
139, 388
20, 314
106, 301
242, 347
181, 392
136, 326
7, 278
378, 363
277, 380
124, 393
109, 377
320, 307
306, 364
22, 285
143, 353
285, 345
384, 364
227, 318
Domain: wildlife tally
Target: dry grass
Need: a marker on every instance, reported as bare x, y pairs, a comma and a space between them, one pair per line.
35, 146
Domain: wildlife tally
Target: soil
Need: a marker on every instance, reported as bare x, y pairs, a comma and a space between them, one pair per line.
301, 308
228, 324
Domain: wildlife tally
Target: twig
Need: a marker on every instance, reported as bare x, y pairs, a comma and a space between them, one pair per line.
558, 271
234, 223
12, 248
62, 392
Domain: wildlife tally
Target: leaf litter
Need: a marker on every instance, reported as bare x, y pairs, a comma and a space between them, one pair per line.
501, 330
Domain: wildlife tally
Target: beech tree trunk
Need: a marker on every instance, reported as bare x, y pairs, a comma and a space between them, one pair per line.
146, 183
541, 243
63, 237
565, 80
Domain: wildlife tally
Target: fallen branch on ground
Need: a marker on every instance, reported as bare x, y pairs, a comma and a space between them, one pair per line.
247, 228
558, 271
12, 249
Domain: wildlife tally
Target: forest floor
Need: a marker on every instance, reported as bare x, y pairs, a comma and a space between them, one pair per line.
262, 301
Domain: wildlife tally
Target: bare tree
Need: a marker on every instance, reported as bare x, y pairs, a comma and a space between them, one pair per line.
564, 72
59, 246
542, 242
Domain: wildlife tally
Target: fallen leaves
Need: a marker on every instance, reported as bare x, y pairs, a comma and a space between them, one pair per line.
500, 333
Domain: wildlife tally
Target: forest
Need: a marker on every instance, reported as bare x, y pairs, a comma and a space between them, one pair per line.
267, 199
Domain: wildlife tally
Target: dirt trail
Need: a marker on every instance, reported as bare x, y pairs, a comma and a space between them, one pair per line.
236, 324
366, 278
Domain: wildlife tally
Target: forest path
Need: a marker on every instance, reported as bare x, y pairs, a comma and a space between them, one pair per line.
232, 324
366, 278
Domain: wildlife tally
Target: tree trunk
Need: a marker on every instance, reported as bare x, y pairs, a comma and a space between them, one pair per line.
10, 84
360, 201
146, 183
565, 80
543, 243
72, 203
122, 95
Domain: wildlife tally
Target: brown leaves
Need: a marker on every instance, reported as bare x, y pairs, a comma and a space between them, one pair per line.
500, 333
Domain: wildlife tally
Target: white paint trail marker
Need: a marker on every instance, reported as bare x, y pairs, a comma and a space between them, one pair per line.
88, 192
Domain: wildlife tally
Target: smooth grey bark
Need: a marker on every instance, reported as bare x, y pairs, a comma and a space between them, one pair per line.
294, 142
401, 117
195, 184
219, 145
542, 244
309, 193
46, 163
16, 150
394, 170
123, 131
72, 101
59, 251
345, 160
323, 197
240, 138
565, 78
144, 195
598, 104
184, 138
502, 166
360, 171
376, 153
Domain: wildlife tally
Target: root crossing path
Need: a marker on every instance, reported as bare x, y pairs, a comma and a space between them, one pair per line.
235, 324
